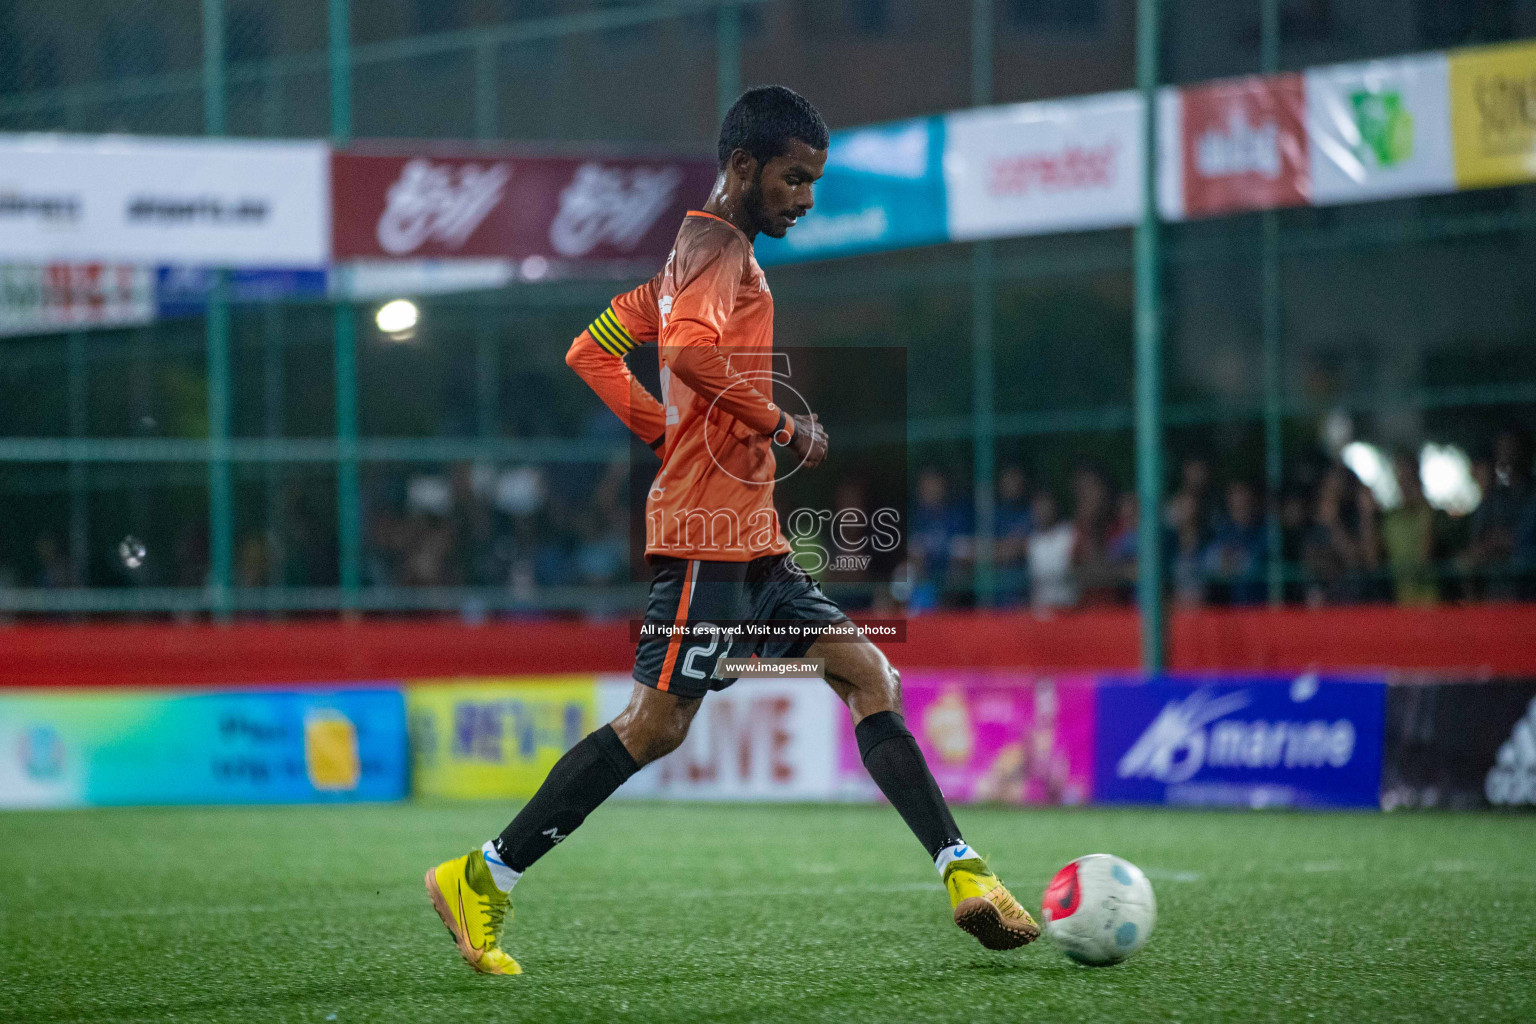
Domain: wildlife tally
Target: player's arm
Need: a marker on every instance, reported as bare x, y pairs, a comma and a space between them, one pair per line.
597, 355
691, 337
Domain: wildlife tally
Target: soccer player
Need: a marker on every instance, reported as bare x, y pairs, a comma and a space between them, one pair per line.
713, 539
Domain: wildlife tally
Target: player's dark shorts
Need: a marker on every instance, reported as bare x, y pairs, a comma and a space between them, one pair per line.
772, 588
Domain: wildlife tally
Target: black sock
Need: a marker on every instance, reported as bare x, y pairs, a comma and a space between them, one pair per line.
584, 777
893, 760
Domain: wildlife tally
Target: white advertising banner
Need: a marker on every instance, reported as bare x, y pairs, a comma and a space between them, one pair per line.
1032, 168
1170, 154
150, 200
758, 739
1380, 129
51, 297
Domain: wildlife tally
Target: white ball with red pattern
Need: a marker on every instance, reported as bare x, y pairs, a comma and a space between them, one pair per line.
1099, 909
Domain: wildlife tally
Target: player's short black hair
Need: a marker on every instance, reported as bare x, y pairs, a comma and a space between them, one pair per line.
763, 121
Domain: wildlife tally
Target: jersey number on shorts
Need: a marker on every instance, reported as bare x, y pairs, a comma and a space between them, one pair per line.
701, 652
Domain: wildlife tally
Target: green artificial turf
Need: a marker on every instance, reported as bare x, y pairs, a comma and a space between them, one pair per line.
728, 913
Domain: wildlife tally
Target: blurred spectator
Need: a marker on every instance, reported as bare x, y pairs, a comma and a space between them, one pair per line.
1408, 537
1295, 524
1051, 582
1341, 547
1124, 540
603, 555
1236, 556
253, 565
1194, 488
53, 568
1186, 565
941, 535
471, 523
1014, 523
1091, 521
1490, 551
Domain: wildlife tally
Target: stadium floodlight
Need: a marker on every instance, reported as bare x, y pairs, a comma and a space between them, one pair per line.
1446, 475
1374, 469
398, 319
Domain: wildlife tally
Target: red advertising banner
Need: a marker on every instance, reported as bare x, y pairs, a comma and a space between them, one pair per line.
1245, 145
564, 210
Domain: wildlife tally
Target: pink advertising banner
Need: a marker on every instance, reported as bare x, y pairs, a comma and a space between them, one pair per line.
1008, 738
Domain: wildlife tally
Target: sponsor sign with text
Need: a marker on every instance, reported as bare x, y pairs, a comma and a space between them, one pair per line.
1380, 129
1493, 114
1243, 145
1461, 746
152, 200
992, 737
1033, 168
1256, 742
117, 748
557, 209
758, 739
53, 297
882, 189
483, 738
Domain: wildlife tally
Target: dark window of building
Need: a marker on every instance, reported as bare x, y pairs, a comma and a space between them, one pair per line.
1307, 20
248, 34
438, 16
869, 17
1054, 15
132, 46
1456, 22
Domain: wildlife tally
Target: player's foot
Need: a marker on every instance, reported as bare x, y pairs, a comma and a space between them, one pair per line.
985, 908
473, 909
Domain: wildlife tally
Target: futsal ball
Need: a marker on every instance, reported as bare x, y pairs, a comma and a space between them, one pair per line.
1099, 909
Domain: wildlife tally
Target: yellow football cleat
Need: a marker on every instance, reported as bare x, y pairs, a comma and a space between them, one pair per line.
473, 908
985, 908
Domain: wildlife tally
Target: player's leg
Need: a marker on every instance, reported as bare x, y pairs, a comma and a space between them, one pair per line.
651, 726
863, 679
471, 893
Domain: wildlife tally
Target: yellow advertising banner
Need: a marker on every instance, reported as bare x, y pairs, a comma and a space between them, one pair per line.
1493, 114
474, 739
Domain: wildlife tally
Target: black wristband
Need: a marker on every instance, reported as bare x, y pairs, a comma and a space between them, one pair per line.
660, 440
783, 426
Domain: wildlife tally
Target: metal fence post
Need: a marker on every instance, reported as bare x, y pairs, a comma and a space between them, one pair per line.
79, 493
1149, 341
349, 502
983, 354
1270, 319
221, 505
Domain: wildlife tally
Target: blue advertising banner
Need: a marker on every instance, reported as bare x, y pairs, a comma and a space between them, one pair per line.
71, 749
883, 189
184, 291
1240, 741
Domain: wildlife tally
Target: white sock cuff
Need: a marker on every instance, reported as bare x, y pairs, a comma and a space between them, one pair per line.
504, 877
950, 854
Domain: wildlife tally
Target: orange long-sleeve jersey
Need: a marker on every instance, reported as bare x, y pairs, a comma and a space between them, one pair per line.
712, 314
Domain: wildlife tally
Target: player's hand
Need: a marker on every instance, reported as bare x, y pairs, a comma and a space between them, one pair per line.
809, 441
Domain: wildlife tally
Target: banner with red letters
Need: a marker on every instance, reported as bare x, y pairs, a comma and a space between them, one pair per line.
1241, 145
566, 212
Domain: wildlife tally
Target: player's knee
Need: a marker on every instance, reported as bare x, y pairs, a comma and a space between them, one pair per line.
654, 736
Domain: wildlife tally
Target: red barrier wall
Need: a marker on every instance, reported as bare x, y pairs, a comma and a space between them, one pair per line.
1476, 640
